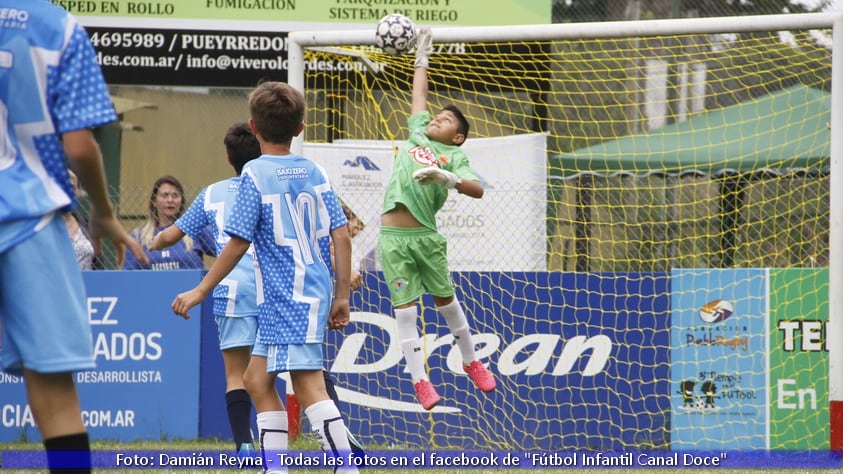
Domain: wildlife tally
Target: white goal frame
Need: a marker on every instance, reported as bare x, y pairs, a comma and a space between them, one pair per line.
298, 41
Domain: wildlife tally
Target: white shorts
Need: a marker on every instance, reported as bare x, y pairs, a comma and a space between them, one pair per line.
236, 331
44, 323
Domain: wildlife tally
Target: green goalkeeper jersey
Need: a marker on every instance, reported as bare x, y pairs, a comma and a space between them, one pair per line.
423, 202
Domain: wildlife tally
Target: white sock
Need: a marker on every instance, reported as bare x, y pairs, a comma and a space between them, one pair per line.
327, 423
458, 323
273, 429
408, 334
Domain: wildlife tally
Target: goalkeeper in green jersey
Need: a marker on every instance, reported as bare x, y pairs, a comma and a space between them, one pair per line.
412, 251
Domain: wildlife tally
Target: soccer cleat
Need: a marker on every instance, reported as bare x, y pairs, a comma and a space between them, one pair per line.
356, 446
247, 450
482, 377
426, 394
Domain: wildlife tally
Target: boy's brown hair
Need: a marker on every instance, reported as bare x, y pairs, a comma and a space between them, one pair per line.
277, 110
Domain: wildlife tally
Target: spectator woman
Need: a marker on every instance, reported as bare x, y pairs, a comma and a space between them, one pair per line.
166, 204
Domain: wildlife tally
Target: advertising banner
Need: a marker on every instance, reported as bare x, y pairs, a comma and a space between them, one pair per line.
702, 360
579, 364
718, 359
480, 232
226, 57
146, 383
799, 418
176, 57
291, 13
218, 43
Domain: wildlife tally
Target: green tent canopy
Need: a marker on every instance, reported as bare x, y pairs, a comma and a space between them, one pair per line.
784, 131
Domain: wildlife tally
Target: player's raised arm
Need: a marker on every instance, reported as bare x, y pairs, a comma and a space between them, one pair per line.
424, 46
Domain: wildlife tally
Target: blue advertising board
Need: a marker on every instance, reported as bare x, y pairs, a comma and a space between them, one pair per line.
719, 359
582, 362
146, 383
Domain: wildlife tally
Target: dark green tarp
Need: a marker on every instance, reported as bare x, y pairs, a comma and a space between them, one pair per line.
783, 131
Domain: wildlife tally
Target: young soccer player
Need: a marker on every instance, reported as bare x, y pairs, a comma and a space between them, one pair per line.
235, 298
412, 251
287, 208
53, 94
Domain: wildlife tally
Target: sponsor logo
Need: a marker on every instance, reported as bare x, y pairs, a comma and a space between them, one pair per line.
362, 162
716, 311
703, 400
707, 338
423, 155
712, 392
400, 285
13, 18
528, 355
291, 173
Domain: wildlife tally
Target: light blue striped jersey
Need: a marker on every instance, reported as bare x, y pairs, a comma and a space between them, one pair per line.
287, 208
235, 295
50, 83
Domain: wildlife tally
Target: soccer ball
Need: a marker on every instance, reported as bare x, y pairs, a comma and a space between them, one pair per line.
396, 34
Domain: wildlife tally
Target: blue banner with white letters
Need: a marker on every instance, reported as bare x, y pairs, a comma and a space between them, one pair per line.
146, 383
581, 361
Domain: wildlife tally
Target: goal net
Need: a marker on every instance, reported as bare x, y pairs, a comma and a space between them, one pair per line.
648, 269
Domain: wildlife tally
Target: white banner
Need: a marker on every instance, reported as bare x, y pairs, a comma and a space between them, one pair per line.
503, 231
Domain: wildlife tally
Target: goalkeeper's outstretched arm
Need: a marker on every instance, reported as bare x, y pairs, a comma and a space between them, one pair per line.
424, 45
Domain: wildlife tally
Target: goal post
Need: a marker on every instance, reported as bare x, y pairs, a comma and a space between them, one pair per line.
835, 316
682, 172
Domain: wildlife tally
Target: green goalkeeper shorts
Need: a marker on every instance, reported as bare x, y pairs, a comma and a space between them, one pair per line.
414, 262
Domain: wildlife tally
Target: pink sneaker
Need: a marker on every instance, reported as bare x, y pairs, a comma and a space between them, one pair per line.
482, 377
426, 394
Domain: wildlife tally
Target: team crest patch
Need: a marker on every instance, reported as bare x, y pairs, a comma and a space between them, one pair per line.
423, 155
400, 285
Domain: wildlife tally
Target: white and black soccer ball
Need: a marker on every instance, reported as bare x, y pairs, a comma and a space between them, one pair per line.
396, 34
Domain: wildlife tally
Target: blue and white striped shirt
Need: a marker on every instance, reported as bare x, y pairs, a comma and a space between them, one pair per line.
287, 208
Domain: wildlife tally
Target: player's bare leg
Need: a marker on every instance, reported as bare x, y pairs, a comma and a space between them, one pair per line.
55, 403
58, 413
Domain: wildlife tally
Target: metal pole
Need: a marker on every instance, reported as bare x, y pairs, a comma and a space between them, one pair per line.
295, 77
834, 336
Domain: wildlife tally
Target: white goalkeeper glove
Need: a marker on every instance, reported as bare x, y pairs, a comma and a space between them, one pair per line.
424, 47
433, 174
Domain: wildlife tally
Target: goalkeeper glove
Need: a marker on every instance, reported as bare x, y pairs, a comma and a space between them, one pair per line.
424, 47
432, 174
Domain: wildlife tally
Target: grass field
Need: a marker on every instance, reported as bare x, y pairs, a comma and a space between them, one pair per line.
310, 445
